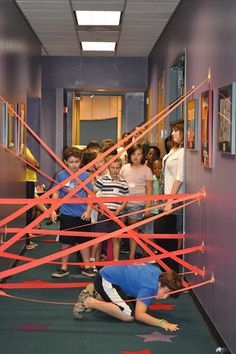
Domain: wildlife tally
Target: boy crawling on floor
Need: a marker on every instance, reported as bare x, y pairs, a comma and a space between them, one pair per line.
114, 285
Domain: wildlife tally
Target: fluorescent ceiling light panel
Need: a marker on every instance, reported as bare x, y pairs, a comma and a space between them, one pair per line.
98, 46
98, 18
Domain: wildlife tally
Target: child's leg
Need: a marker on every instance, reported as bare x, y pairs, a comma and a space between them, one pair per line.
85, 253
64, 259
116, 248
108, 308
106, 298
132, 243
94, 250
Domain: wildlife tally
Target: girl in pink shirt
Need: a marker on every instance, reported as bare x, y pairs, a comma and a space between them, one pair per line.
139, 179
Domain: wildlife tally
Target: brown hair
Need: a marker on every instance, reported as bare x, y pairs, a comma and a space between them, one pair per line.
172, 280
132, 150
71, 151
87, 157
179, 126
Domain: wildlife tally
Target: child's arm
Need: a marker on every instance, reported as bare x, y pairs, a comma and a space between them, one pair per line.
142, 316
53, 215
87, 214
120, 208
148, 192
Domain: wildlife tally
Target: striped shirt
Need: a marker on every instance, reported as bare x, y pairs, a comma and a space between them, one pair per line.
110, 188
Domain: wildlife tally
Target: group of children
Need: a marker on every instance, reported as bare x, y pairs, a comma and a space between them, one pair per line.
110, 182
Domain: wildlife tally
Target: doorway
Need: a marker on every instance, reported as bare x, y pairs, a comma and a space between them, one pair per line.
96, 117
177, 86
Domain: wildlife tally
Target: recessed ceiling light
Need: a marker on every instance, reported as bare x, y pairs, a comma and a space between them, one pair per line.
98, 46
98, 18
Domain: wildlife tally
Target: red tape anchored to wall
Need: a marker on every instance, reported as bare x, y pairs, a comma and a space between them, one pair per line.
82, 185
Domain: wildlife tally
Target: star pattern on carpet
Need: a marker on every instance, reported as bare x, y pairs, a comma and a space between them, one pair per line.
156, 337
31, 327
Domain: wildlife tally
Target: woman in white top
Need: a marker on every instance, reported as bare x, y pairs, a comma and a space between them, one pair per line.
173, 173
173, 164
139, 179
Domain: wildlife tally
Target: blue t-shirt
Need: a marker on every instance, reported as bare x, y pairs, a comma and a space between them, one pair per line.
73, 209
136, 280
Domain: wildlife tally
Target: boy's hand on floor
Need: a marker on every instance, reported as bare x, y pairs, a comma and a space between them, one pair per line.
170, 326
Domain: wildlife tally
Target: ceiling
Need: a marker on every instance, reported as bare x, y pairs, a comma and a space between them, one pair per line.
54, 23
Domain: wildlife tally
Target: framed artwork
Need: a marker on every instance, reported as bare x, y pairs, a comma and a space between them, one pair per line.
226, 118
21, 113
192, 115
13, 128
11, 125
3, 124
206, 128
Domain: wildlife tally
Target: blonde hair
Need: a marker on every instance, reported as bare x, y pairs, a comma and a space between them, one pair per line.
118, 159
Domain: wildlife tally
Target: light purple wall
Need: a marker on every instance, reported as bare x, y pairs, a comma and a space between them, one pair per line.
207, 29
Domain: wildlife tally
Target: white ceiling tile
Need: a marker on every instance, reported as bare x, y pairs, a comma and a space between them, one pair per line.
44, 6
59, 41
48, 15
146, 7
54, 23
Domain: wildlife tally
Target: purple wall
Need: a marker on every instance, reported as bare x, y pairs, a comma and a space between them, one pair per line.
207, 29
20, 76
89, 73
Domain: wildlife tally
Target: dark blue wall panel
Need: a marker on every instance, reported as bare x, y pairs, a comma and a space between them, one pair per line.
101, 128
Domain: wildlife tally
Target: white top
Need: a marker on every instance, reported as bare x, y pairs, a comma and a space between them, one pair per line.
173, 163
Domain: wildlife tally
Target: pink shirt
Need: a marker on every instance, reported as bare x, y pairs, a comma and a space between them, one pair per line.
136, 177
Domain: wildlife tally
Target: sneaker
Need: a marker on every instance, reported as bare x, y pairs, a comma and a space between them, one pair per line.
79, 307
78, 310
94, 267
103, 257
83, 295
91, 290
60, 273
89, 272
31, 246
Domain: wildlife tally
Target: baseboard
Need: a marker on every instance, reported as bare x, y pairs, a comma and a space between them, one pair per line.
215, 334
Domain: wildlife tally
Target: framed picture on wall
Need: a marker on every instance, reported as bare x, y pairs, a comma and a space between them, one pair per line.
206, 128
21, 113
226, 118
192, 119
3, 124
11, 125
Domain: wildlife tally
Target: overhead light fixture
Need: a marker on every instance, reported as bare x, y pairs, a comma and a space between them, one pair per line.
99, 46
98, 18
